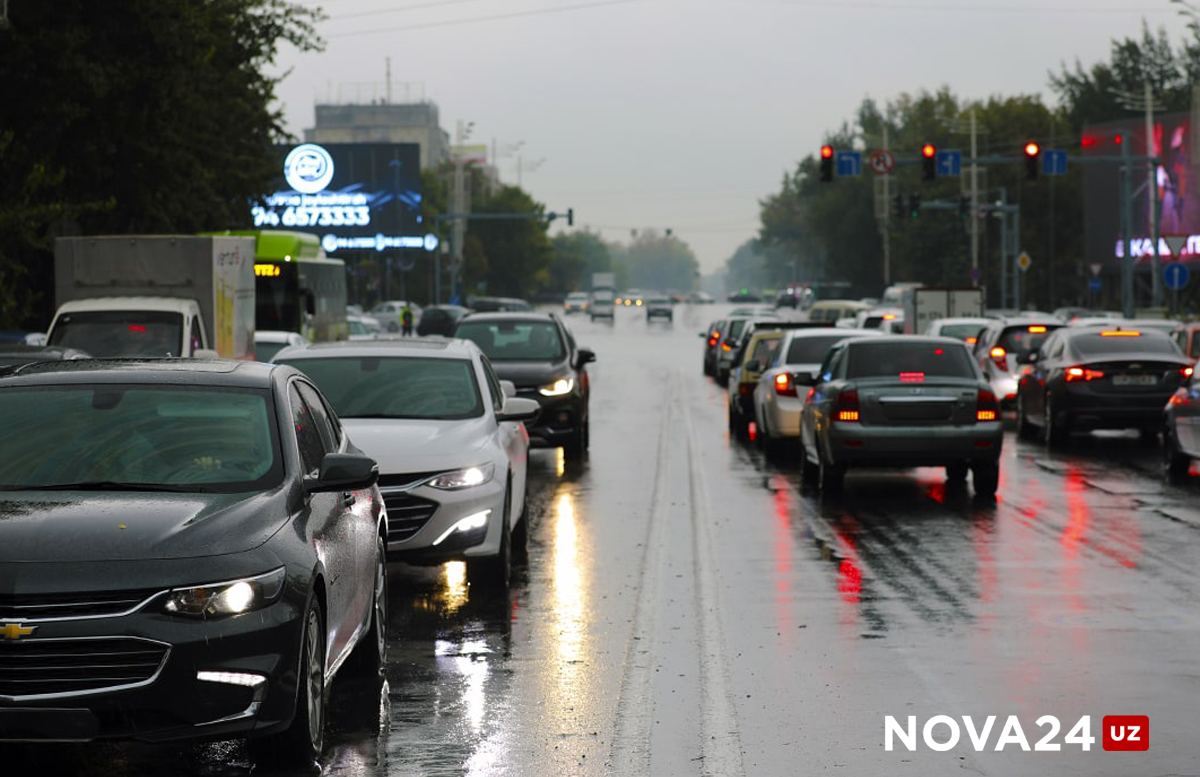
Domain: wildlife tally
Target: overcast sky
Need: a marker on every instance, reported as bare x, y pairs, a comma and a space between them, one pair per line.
683, 114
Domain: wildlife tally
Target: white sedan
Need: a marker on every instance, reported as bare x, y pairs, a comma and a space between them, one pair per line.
448, 437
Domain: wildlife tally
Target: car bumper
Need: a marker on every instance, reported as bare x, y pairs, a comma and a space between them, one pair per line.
422, 521
783, 417
1085, 409
913, 446
1005, 389
558, 423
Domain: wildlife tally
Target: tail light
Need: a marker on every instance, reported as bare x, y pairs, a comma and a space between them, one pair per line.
999, 356
725, 346
986, 408
1083, 373
971, 340
847, 406
713, 340
1179, 399
745, 389
1186, 372
784, 386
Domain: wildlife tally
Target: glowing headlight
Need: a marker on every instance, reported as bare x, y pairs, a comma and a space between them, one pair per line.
228, 598
475, 521
463, 478
557, 388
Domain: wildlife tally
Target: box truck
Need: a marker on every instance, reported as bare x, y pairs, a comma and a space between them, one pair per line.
925, 304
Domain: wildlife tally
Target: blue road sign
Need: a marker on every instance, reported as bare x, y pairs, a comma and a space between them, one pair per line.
1094, 284
1176, 276
1054, 162
949, 163
849, 164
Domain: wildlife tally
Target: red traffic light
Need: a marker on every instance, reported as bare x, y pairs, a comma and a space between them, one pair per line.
929, 151
826, 152
1120, 139
1032, 149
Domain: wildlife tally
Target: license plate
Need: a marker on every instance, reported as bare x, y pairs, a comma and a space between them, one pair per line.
1135, 380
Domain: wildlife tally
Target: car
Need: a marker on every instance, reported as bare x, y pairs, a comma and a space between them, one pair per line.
744, 295
12, 354
217, 554
901, 402
440, 319
712, 338
602, 304
883, 319
1084, 378
576, 302
1187, 337
1181, 430
730, 340
699, 298
362, 327
1002, 347
538, 354
965, 328
388, 313
268, 342
750, 362
495, 304
632, 298
658, 306
777, 396
1169, 326
830, 311
449, 441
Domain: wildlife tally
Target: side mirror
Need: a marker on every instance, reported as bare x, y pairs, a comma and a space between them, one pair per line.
753, 366
1029, 358
805, 379
703, 335
584, 356
343, 472
519, 409
509, 388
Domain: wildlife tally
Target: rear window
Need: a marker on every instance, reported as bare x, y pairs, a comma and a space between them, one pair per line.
896, 359
810, 350
1093, 345
735, 328
1020, 340
960, 331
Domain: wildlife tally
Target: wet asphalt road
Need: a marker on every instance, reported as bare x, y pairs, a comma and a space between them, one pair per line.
688, 609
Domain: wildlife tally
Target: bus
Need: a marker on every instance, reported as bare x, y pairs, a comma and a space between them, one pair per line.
297, 288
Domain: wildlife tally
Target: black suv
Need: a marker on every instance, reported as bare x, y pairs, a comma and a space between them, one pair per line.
538, 354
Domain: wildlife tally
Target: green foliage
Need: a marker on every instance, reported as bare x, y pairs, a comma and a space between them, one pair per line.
576, 256
659, 262
511, 256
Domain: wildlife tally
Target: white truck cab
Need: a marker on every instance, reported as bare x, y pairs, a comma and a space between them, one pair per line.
131, 326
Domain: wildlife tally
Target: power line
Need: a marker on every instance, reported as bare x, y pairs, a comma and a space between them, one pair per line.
400, 9
968, 7
477, 19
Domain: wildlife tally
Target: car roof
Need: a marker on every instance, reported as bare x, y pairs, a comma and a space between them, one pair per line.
902, 339
509, 315
205, 372
424, 347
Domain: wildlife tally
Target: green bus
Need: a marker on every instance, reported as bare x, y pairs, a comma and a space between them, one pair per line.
297, 288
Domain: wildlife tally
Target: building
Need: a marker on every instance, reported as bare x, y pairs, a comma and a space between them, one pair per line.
383, 122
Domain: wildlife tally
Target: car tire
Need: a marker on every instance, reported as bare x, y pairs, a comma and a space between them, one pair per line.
1054, 434
302, 741
370, 655
831, 475
575, 449
496, 571
1025, 430
1176, 462
774, 447
985, 478
520, 533
957, 472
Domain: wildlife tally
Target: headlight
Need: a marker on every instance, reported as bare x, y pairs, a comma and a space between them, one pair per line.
467, 477
557, 388
231, 597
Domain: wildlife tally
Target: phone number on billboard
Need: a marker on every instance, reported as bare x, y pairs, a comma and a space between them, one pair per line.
356, 216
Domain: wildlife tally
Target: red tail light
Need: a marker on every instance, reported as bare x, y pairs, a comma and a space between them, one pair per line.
726, 346
847, 406
1083, 373
745, 389
999, 355
784, 386
713, 341
986, 408
1179, 398
1186, 372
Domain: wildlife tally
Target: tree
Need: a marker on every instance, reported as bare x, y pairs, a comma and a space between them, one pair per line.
576, 256
511, 256
658, 261
138, 116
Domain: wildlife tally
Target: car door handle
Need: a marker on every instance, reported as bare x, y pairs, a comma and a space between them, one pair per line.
348, 498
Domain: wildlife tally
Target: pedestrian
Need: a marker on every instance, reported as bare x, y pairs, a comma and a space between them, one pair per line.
406, 320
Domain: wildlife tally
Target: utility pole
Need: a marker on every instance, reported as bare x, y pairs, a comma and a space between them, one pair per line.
975, 204
887, 214
1127, 228
1152, 184
458, 228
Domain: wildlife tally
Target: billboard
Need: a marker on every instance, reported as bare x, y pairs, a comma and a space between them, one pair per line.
1176, 176
353, 196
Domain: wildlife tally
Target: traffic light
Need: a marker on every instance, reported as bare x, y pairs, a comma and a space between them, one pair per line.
1033, 153
898, 209
914, 205
826, 163
571, 218
929, 162
964, 207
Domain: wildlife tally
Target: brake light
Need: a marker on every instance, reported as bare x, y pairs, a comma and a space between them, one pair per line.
1121, 333
136, 328
745, 389
998, 355
847, 406
713, 340
784, 386
725, 346
1037, 329
986, 408
1083, 373
912, 377
971, 340
1179, 398
1186, 372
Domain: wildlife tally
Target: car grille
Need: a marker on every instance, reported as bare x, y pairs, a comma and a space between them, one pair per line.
72, 605
406, 514
34, 667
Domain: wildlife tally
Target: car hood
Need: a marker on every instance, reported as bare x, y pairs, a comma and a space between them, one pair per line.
531, 374
81, 526
413, 445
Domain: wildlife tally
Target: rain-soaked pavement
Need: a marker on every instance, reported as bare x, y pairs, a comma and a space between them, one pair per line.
688, 609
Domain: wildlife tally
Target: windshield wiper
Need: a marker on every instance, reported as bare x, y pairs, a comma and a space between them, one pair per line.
111, 485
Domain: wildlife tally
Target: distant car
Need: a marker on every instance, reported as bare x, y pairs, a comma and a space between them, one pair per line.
217, 554
632, 298
268, 342
743, 296
753, 359
1181, 430
539, 355
451, 449
882, 319
779, 393
440, 319
712, 341
1187, 337
963, 328
699, 298
576, 302
602, 304
1084, 378
658, 306
901, 402
1165, 325
790, 298
363, 327
730, 340
830, 311
388, 313
499, 304
1003, 346
12, 354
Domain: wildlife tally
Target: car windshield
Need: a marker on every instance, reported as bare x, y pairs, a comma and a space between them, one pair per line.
395, 386
897, 359
1091, 346
810, 350
115, 333
265, 352
138, 437
510, 341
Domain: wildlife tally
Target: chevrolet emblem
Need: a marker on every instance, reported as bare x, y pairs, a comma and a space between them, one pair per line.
16, 630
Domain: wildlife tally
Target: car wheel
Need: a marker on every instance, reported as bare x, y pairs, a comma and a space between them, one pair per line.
1177, 463
575, 448
761, 438
495, 571
831, 475
302, 741
1054, 434
722, 377
1025, 429
985, 478
370, 655
957, 472
520, 533
1148, 435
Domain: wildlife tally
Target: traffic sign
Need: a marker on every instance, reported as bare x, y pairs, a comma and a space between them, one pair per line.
1096, 267
1024, 260
849, 164
1176, 276
1175, 243
1094, 284
882, 161
949, 163
1054, 162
